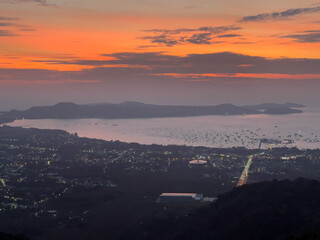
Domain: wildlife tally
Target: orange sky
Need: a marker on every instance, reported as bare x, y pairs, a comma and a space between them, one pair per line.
76, 36
86, 31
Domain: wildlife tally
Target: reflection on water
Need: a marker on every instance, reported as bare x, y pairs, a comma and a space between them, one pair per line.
211, 131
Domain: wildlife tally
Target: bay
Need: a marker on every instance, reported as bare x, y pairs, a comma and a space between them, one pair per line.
211, 131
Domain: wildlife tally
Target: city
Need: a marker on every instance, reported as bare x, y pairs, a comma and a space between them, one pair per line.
60, 182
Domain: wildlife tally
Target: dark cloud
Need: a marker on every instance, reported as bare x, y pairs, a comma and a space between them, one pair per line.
21, 26
217, 42
128, 80
201, 35
30, 75
280, 15
220, 29
8, 21
8, 18
5, 33
215, 30
229, 35
224, 62
170, 31
162, 39
40, 2
76, 62
117, 85
148, 59
27, 29
13, 27
312, 36
5, 24
243, 43
200, 38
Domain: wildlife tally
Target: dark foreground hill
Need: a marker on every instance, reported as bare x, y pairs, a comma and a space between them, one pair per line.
141, 110
262, 211
6, 236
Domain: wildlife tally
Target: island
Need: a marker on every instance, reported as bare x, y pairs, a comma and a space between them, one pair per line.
129, 110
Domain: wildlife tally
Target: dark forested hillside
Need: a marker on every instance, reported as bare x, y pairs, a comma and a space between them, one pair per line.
265, 211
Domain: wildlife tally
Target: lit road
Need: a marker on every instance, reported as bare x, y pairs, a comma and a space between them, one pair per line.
244, 176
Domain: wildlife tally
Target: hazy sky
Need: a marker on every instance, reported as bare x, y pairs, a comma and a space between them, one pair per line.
166, 52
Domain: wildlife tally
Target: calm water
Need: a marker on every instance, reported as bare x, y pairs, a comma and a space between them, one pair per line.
211, 131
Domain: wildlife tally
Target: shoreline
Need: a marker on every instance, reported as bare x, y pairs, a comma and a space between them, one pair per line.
284, 146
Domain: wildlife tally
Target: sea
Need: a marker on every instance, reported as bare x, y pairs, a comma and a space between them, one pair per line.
303, 130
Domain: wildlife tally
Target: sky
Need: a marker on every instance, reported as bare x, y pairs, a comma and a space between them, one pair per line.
183, 52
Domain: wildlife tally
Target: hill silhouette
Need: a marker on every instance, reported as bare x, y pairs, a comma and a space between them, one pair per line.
68, 110
265, 211
7, 236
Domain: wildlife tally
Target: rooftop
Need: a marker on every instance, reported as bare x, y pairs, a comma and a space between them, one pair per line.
179, 195
198, 161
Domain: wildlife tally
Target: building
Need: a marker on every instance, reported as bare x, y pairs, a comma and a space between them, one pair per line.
179, 197
197, 162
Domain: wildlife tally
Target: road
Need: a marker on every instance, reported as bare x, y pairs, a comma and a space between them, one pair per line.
244, 176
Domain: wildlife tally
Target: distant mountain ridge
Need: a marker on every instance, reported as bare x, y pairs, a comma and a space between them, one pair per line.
69, 110
274, 105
